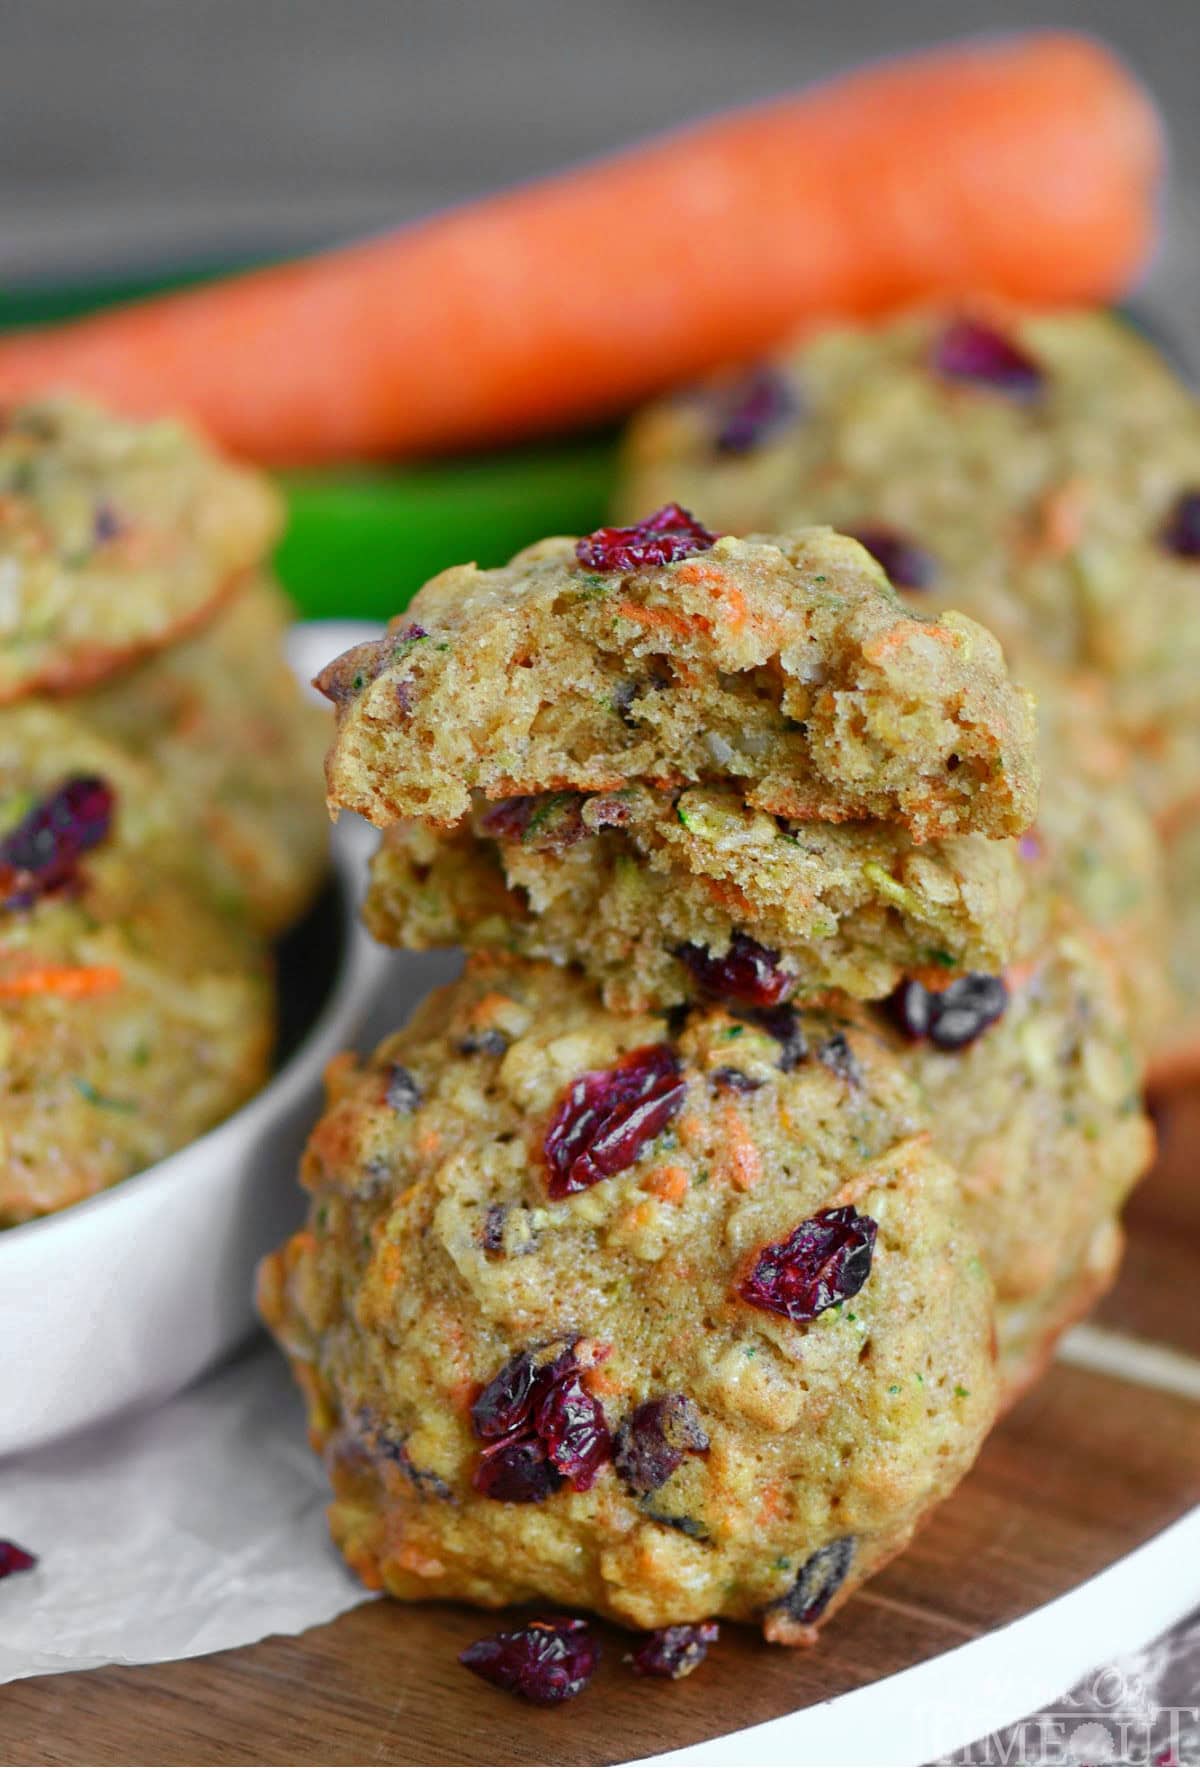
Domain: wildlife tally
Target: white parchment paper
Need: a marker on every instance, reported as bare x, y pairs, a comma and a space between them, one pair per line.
189, 1529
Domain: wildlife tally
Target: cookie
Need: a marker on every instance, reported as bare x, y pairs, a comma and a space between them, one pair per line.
1041, 473
115, 538
1094, 855
659, 655
240, 750
1037, 1107
660, 896
135, 1013
662, 1320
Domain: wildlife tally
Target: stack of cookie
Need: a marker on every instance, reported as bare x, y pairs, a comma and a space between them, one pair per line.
157, 822
658, 1265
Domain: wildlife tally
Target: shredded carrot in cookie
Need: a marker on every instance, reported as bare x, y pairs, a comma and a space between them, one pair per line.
668, 1182
896, 637
70, 981
662, 618
1061, 519
722, 587
740, 1162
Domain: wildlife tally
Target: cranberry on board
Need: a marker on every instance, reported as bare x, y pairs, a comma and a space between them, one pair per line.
545, 1662
674, 1652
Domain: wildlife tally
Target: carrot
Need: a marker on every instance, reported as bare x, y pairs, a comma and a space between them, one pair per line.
670, 1183
71, 981
664, 619
1023, 167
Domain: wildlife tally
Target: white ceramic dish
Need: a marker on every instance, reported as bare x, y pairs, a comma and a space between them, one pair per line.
125, 1299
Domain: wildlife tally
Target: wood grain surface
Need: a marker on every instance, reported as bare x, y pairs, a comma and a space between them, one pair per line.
1084, 1470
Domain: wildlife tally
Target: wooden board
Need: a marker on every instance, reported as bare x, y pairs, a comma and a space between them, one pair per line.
1085, 1470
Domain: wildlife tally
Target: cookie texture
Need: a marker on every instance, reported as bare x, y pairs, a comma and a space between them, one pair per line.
115, 538
652, 891
1095, 856
239, 749
1040, 1115
786, 663
666, 1318
136, 1014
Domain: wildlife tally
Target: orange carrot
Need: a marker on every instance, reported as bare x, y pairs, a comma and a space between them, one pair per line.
670, 1183
72, 981
665, 619
1023, 167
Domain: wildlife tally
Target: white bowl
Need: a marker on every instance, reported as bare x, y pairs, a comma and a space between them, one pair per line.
124, 1299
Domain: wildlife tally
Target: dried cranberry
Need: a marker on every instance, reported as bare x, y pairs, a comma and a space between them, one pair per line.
967, 350
493, 1229
508, 818
403, 1093
379, 1442
1181, 532
837, 1055
41, 854
908, 565
542, 1427
951, 1017
410, 632
825, 1260
818, 1582
748, 973
15, 1559
733, 1080
670, 533
606, 1117
607, 810
507, 1400
570, 1422
555, 822
674, 1652
547, 820
516, 1471
755, 409
652, 1442
546, 1662
783, 1024
106, 524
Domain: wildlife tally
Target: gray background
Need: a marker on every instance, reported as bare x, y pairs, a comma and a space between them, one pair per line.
133, 131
